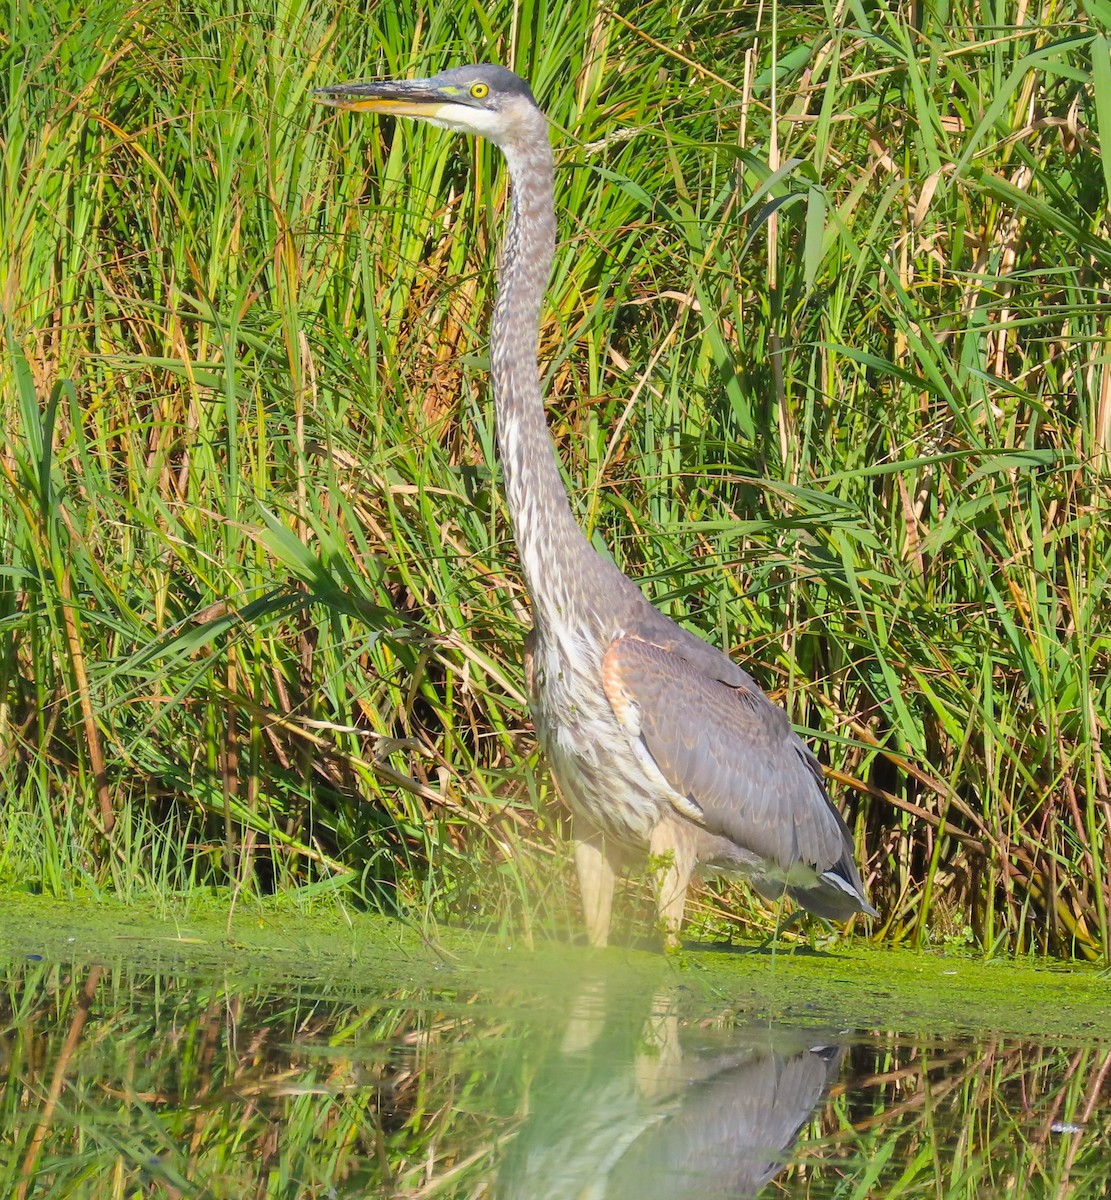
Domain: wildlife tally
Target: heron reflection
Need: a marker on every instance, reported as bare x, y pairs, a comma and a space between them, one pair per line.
682, 1111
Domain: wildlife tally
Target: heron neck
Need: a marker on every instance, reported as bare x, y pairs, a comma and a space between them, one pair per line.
554, 553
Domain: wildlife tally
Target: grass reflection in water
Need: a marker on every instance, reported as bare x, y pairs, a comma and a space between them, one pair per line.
143, 1084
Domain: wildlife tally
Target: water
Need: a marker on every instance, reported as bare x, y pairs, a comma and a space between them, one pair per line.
125, 1080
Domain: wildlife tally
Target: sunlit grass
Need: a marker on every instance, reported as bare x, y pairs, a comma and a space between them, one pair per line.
828, 362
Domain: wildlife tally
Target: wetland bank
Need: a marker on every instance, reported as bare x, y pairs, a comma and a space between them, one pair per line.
828, 344
338, 1054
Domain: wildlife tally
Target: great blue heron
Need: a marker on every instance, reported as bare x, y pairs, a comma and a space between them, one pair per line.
658, 741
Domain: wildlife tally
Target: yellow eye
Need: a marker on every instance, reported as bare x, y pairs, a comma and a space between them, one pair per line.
479, 91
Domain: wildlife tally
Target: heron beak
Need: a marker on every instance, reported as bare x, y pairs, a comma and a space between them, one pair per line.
401, 97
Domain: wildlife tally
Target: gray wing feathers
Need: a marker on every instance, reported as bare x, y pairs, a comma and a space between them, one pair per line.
649, 625
729, 750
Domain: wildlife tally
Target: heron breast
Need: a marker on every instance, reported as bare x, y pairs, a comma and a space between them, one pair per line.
598, 773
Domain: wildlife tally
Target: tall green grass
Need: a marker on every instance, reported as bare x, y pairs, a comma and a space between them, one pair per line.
828, 361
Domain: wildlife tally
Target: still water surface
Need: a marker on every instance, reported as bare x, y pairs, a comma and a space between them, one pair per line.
134, 1082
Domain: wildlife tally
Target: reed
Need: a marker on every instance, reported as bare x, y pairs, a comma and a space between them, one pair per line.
827, 352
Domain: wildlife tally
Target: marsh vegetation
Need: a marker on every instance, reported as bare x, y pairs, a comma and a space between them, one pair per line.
828, 361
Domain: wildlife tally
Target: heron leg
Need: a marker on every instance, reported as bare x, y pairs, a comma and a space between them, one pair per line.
671, 856
596, 882
659, 1055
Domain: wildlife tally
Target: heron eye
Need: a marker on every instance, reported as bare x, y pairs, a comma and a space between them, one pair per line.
479, 91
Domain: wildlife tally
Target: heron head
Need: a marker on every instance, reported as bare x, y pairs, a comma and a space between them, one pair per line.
486, 100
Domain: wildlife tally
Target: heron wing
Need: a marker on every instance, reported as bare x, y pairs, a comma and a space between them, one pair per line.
730, 757
647, 624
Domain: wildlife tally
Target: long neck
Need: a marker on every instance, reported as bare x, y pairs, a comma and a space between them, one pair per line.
560, 566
